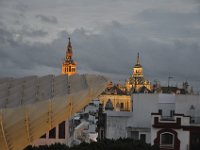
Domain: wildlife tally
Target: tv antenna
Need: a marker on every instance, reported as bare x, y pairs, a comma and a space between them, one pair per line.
169, 78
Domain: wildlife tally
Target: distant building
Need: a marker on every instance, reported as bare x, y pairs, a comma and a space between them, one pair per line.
69, 65
173, 89
171, 121
137, 82
115, 98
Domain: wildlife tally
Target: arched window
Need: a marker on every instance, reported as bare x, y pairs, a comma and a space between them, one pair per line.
109, 105
167, 139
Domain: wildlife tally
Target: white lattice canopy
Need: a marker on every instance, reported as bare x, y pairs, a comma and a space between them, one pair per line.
31, 106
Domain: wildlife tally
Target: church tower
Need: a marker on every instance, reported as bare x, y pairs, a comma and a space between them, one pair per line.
138, 70
137, 82
69, 65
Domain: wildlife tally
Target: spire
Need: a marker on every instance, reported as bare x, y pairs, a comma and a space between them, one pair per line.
138, 59
138, 65
69, 47
69, 50
69, 43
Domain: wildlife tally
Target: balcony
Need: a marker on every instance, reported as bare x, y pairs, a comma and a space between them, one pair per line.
167, 118
195, 120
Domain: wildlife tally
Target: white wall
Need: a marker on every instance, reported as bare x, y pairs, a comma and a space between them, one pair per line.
184, 102
116, 124
184, 137
143, 106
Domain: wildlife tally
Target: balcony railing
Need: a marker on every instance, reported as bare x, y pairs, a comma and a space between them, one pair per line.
167, 118
195, 120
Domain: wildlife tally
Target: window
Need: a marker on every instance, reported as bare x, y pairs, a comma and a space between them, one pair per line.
61, 134
172, 113
52, 133
167, 140
135, 135
121, 106
70, 68
160, 111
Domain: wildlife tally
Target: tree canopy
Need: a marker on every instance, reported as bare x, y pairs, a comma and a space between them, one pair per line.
107, 144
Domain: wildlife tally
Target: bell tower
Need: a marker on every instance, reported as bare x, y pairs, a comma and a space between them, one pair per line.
137, 69
137, 82
69, 65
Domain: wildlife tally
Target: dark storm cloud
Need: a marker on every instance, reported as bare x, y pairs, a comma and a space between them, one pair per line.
113, 51
105, 36
47, 19
18, 54
89, 52
109, 52
107, 49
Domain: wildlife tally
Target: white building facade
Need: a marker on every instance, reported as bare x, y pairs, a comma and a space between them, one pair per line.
168, 120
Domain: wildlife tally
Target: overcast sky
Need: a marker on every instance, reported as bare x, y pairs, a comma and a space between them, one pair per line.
106, 36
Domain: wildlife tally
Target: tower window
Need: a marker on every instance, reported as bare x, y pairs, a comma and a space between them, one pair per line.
70, 68
121, 106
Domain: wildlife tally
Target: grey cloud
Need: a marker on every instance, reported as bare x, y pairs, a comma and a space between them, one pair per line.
168, 24
168, 41
110, 52
17, 53
33, 32
47, 19
10, 36
21, 6
115, 53
6, 38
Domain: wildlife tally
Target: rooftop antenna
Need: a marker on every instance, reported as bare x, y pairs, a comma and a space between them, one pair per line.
169, 77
